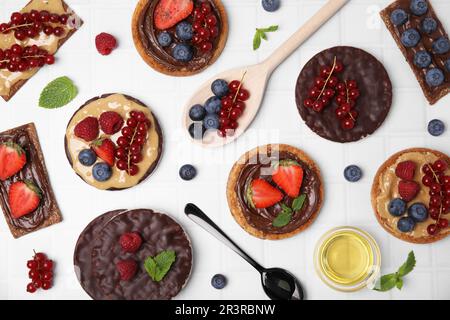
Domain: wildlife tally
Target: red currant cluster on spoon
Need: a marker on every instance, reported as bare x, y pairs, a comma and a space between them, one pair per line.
233, 106
21, 59
205, 27
133, 138
439, 184
30, 24
326, 87
40, 272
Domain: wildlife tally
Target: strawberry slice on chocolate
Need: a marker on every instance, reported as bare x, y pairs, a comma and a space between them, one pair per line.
105, 149
288, 175
408, 190
262, 194
405, 170
169, 12
12, 159
24, 197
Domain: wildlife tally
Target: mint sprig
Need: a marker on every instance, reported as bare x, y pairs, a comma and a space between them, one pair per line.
157, 267
285, 216
58, 93
261, 34
389, 281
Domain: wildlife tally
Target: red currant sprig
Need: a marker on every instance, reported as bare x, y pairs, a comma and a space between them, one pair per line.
439, 185
40, 272
18, 58
30, 24
205, 27
134, 136
348, 93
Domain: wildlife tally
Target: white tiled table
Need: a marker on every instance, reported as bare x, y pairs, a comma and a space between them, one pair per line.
358, 24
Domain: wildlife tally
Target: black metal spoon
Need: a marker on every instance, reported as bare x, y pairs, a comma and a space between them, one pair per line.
278, 284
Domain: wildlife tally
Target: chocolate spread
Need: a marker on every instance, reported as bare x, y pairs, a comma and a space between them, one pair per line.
149, 36
262, 219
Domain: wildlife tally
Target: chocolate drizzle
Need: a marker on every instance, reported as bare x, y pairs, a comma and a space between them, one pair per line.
261, 167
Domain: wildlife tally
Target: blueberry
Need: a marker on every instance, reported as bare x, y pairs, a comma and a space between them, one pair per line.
419, 7
87, 157
183, 52
436, 127
196, 130
164, 39
410, 38
271, 5
422, 59
187, 172
220, 88
184, 31
397, 207
197, 113
406, 224
218, 281
418, 212
352, 173
447, 65
399, 17
211, 122
213, 105
434, 77
101, 172
429, 25
441, 45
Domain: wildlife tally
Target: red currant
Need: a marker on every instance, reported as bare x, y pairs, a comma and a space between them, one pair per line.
314, 92
142, 127
235, 113
127, 132
136, 158
333, 82
44, 16
16, 18
243, 95
32, 264
33, 274
206, 46
50, 59
340, 113
319, 82
211, 20
47, 276
54, 18
20, 35
440, 165
140, 140
34, 15
206, 8
234, 86
325, 71
135, 148
427, 180
329, 93
240, 105
46, 285
353, 94
318, 106
47, 265
58, 31
351, 84
432, 229
63, 18
122, 141
31, 288
132, 122
426, 169
141, 117
48, 30
37, 283
339, 67
214, 31
133, 170
348, 124
122, 165
40, 257
233, 125
443, 223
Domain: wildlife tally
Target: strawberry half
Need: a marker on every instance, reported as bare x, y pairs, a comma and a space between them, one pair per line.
104, 148
24, 197
408, 190
405, 170
262, 194
288, 175
169, 12
12, 159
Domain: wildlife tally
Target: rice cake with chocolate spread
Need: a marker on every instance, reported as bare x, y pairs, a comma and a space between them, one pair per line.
98, 250
259, 222
123, 104
8, 88
373, 104
159, 58
384, 189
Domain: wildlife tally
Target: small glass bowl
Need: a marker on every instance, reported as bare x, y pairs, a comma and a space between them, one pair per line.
360, 239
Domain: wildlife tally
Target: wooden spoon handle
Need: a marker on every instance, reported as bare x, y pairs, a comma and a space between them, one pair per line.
302, 34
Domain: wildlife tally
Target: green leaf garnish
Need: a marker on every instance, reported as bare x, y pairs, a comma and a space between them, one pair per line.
283, 218
261, 34
298, 202
158, 266
58, 93
389, 281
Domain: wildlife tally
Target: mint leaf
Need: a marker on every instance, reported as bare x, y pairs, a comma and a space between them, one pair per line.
408, 266
387, 282
261, 34
298, 202
284, 217
58, 93
399, 284
158, 266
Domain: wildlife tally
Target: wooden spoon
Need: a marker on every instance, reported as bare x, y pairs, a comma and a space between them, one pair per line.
256, 77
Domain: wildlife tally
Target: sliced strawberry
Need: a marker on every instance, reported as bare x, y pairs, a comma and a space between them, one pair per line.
262, 194
105, 148
24, 197
169, 12
12, 159
406, 170
408, 190
288, 175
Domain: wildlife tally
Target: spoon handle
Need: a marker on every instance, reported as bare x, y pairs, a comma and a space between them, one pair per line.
302, 34
198, 216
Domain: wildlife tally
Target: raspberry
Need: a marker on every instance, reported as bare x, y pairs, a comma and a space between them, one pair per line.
127, 269
405, 170
408, 190
87, 129
130, 242
110, 122
105, 43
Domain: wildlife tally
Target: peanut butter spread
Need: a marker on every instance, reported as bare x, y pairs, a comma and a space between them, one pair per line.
388, 190
48, 43
122, 105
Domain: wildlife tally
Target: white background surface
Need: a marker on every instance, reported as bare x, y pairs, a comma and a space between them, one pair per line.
357, 24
